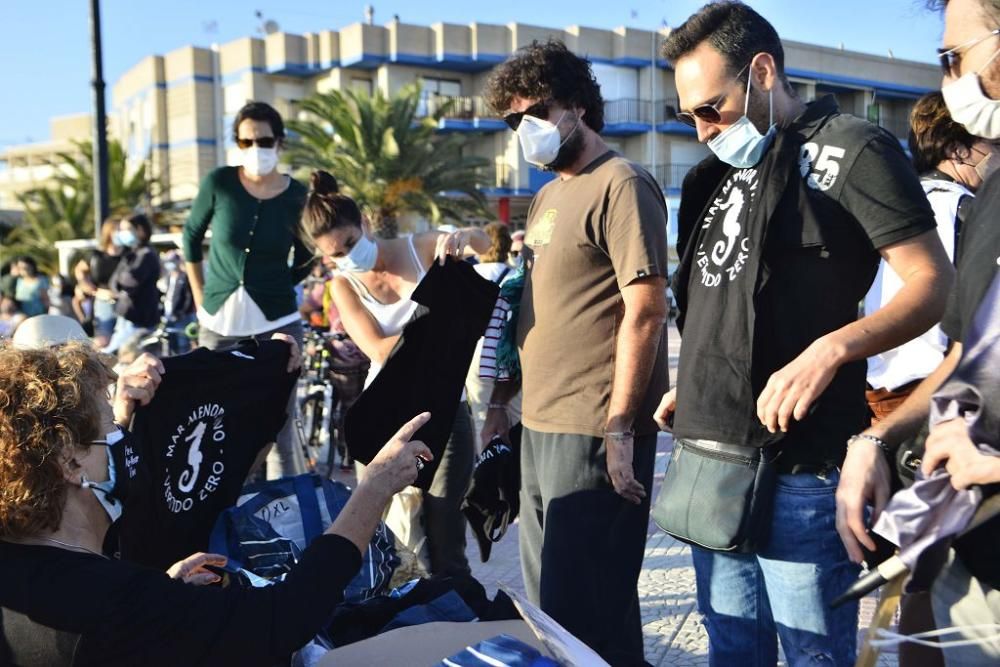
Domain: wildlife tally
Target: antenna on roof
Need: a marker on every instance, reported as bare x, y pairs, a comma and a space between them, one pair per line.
369, 14
891, 57
267, 26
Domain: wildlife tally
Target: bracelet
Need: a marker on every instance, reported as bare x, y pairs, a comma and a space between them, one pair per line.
619, 435
879, 442
496, 406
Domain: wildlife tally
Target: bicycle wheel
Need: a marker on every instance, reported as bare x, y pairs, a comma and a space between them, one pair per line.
312, 412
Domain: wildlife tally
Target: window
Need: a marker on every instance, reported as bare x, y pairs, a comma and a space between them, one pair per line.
445, 87
359, 85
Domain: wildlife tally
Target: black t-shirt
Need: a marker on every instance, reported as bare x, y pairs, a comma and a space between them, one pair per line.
978, 257
853, 193
137, 298
102, 267
197, 439
127, 614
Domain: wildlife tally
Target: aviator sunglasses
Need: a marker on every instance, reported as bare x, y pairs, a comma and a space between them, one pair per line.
950, 58
262, 142
708, 112
537, 110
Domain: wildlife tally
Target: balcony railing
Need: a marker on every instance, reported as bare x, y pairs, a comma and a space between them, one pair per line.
462, 107
627, 110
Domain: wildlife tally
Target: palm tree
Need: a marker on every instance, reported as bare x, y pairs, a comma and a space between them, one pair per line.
64, 210
388, 158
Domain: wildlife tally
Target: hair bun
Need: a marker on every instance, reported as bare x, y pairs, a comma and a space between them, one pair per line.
323, 183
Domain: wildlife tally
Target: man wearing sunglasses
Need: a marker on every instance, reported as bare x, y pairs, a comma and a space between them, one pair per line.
592, 342
966, 592
788, 219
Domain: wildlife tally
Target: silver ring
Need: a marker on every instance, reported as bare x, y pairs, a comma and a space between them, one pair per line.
420, 464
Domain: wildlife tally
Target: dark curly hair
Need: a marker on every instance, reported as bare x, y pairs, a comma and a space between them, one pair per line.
49, 404
548, 71
734, 30
934, 136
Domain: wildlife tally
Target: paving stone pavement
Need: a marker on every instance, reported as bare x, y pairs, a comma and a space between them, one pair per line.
672, 628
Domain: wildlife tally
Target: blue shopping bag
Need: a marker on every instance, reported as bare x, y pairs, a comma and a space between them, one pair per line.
273, 522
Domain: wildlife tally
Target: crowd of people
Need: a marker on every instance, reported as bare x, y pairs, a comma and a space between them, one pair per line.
804, 434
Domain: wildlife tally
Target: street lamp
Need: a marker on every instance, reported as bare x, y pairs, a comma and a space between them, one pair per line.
100, 148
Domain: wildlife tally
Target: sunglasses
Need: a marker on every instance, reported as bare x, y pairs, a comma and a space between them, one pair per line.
262, 142
951, 58
708, 112
537, 110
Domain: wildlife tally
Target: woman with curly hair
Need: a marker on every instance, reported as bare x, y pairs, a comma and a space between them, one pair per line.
65, 602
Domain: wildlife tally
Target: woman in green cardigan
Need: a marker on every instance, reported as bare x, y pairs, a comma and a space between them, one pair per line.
248, 287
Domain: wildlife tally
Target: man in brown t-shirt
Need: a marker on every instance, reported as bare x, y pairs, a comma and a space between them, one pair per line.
592, 339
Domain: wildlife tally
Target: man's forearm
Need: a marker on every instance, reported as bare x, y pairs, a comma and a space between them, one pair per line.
917, 307
906, 420
635, 356
504, 391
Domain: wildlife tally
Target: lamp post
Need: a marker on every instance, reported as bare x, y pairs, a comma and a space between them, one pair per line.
100, 147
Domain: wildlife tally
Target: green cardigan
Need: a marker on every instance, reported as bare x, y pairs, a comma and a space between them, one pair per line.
251, 242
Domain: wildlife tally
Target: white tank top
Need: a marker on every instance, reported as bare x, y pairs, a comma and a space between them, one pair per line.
391, 317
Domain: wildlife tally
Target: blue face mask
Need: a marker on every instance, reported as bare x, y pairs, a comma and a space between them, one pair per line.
361, 258
741, 145
126, 238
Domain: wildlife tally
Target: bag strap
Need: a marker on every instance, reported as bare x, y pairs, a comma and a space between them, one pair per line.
312, 521
503, 274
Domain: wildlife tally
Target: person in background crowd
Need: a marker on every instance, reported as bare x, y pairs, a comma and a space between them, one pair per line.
967, 592
8, 279
516, 244
248, 290
10, 316
32, 289
93, 282
313, 289
806, 199
133, 283
372, 296
952, 165
65, 602
178, 303
61, 290
591, 334
494, 265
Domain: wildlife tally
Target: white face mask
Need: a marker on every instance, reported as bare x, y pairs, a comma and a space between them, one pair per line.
361, 258
986, 167
741, 145
970, 107
260, 161
540, 140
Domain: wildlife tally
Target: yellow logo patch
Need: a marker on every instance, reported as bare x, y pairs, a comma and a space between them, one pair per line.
540, 232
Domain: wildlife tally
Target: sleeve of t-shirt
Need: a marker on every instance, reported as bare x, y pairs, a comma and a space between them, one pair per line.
636, 231
883, 193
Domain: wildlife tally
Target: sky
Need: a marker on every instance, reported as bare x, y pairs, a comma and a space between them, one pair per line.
45, 56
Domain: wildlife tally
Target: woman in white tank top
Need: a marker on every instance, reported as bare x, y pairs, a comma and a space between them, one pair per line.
372, 295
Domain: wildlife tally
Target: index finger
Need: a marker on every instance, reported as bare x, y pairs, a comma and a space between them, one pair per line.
409, 428
150, 361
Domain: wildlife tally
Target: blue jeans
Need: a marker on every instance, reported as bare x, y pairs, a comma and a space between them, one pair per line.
784, 590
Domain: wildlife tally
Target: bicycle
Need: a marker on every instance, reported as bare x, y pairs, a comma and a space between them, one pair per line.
325, 391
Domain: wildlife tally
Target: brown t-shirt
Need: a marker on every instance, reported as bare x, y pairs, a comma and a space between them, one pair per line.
587, 238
